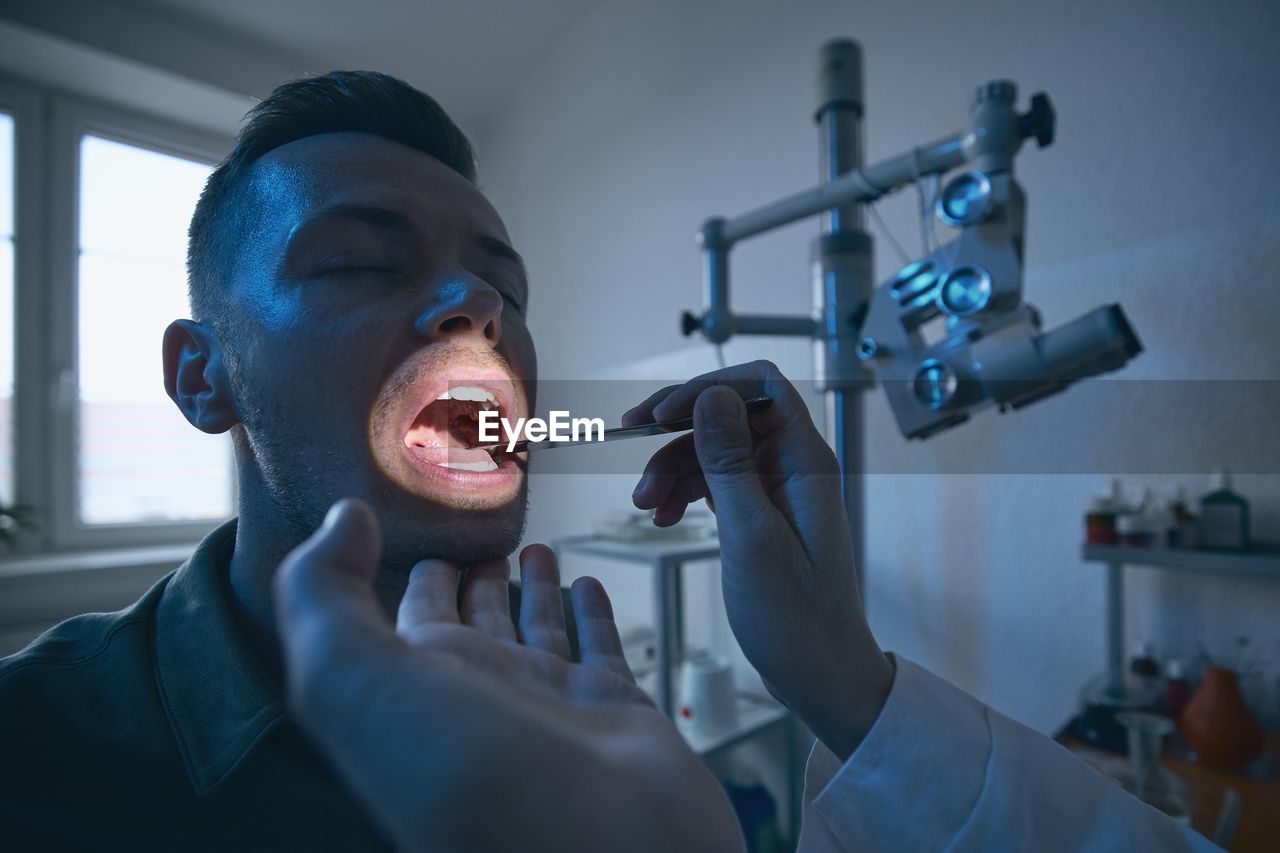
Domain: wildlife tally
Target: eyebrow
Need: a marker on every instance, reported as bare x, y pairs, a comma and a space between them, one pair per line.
499, 249
379, 217
391, 220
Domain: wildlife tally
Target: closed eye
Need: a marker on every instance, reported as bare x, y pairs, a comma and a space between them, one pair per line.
507, 289
512, 301
359, 271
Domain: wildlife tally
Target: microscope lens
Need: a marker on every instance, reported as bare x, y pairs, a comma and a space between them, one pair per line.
965, 200
965, 290
935, 384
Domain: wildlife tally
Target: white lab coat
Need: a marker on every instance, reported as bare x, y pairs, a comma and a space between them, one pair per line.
939, 770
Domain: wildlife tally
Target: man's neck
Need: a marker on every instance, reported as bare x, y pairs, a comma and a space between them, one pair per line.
262, 543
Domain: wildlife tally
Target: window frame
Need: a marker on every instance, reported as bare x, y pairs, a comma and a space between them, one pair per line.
26, 109
49, 127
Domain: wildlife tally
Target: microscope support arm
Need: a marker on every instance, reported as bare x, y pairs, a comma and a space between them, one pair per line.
863, 186
859, 187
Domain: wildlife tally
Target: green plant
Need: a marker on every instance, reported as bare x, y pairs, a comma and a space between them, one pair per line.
13, 520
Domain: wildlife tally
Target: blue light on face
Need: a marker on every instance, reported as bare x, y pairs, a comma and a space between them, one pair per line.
965, 291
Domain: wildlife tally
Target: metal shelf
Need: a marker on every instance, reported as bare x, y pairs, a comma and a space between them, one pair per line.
666, 558
1260, 562
642, 550
755, 714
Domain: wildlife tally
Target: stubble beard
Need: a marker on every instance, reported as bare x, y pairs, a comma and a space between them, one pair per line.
300, 488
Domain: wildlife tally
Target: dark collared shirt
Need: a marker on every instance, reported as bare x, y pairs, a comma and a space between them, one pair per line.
156, 728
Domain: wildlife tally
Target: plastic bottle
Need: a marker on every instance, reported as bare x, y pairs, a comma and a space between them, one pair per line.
1224, 516
1186, 532
1137, 526
1144, 683
1131, 529
1177, 689
1156, 518
1101, 515
1144, 662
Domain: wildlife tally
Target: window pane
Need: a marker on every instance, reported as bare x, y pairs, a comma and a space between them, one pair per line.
140, 461
6, 308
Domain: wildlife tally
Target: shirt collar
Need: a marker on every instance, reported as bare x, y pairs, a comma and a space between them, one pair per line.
217, 696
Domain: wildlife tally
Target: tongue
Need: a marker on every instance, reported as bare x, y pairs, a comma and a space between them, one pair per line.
446, 433
464, 430
445, 423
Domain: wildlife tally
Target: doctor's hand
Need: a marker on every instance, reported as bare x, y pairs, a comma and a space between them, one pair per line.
787, 560
458, 730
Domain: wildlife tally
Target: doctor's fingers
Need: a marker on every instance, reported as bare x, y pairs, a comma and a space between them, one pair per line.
667, 471
674, 473
756, 379
598, 639
486, 604
430, 598
330, 622
687, 490
642, 413
665, 468
541, 611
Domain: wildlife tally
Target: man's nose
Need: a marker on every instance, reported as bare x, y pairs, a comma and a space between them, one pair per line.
463, 306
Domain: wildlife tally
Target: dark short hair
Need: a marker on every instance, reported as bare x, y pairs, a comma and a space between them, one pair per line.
337, 102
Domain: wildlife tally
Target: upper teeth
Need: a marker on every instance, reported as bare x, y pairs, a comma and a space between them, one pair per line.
470, 393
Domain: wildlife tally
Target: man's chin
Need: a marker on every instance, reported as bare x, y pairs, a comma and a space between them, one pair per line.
453, 480
458, 533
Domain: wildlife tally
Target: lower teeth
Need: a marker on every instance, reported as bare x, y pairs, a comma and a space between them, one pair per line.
479, 467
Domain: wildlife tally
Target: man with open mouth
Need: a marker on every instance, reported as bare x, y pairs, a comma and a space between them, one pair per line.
339, 668
356, 301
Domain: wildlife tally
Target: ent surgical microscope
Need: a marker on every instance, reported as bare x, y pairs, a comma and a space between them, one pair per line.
946, 335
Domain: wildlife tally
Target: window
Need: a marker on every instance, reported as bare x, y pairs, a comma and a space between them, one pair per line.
139, 460
94, 207
6, 308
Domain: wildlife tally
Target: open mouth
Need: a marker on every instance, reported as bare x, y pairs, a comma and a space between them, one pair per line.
425, 428
446, 431
441, 429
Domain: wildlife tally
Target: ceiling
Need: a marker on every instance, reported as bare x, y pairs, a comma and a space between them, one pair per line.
466, 53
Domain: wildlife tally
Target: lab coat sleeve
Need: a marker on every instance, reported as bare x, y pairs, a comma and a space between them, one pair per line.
940, 770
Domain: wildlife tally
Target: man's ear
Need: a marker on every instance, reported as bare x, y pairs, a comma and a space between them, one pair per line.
195, 377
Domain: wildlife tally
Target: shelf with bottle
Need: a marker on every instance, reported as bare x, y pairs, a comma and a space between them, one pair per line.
1262, 560
1166, 533
754, 714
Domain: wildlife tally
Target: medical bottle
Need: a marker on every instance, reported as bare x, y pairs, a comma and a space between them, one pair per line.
1186, 532
1224, 516
1101, 515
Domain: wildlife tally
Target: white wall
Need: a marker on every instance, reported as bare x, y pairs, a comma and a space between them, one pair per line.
1160, 192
